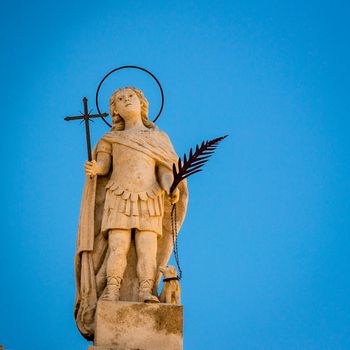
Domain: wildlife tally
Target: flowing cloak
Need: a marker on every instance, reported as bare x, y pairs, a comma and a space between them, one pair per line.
92, 246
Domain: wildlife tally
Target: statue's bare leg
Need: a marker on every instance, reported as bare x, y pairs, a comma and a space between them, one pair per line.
146, 249
119, 245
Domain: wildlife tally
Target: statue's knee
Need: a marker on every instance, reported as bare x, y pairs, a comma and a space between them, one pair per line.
118, 241
118, 253
114, 249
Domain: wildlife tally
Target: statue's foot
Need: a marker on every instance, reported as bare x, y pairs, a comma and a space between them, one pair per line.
147, 297
111, 293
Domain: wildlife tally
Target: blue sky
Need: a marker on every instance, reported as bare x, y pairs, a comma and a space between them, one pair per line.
265, 245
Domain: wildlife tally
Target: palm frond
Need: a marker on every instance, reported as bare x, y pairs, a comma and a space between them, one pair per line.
194, 162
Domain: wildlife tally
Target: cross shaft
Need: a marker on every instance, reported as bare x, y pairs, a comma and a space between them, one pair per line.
86, 117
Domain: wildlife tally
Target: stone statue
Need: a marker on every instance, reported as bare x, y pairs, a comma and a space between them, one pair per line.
125, 231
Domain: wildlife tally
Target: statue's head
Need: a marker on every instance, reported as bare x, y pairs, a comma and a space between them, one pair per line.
168, 271
127, 101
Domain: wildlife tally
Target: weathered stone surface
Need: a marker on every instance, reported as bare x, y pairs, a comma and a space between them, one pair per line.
126, 227
138, 326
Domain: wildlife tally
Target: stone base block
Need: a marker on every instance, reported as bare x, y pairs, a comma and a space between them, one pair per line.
138, 326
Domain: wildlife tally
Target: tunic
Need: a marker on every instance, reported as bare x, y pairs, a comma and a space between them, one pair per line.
131, 208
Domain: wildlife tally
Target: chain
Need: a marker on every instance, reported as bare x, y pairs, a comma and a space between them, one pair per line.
175, 246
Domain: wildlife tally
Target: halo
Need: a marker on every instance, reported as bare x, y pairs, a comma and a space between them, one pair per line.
126, 67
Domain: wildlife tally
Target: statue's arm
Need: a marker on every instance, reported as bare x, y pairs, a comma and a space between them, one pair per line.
102, 164
166, 178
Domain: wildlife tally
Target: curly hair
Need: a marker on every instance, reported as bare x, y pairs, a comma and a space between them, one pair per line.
119, 123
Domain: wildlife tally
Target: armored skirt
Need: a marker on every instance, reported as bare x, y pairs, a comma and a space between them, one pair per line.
127, 210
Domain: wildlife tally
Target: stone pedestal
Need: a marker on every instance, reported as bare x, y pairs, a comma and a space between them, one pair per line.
138, 326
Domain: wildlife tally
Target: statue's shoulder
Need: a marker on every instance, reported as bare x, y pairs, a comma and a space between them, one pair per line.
104, 145
160, 134
163, 140
110, 136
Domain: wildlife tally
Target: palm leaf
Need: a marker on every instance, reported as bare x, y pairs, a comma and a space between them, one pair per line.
195, 161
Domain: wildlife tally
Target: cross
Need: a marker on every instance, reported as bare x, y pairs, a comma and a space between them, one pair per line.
86, 117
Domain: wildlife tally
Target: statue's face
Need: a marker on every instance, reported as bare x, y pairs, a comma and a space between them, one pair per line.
127, 103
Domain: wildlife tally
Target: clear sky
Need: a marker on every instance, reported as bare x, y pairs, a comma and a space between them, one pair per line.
265, 245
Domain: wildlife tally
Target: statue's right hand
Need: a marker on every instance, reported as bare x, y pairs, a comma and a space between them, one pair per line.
91, 168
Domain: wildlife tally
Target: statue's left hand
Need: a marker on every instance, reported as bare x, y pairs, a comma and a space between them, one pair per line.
175, 196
